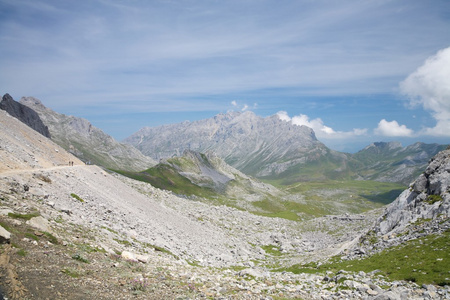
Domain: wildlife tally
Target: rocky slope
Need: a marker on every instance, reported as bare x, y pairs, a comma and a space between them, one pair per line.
421, 210
24, 114
87, 142
22, 148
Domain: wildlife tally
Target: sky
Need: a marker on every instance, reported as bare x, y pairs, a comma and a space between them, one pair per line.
356, 72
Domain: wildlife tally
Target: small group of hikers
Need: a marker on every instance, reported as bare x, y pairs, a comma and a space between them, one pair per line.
70, 163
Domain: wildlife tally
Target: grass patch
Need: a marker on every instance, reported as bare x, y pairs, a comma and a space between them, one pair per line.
75, 196
5, 226
272, 250
160, 249
31, 236
23, 216
21, 252
424, 261
123, 242
71, 272
110, 230
90, 249
51, 238
431, 199
167, 178
80, 258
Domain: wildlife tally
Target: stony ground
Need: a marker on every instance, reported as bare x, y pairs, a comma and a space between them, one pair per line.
92, 249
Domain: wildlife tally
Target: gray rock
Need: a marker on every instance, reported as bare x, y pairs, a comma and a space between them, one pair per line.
252, 272
420, 184
24, 114
5, 236
390, 295
39, 223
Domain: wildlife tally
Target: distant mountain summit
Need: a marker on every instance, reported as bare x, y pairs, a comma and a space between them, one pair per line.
24, 114
89, 143
254, 145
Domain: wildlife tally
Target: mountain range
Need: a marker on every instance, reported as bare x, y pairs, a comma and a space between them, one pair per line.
264, 147
270, 148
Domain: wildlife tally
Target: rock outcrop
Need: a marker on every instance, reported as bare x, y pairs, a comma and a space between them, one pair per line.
24, 114
87, 142
427, 198
421, 210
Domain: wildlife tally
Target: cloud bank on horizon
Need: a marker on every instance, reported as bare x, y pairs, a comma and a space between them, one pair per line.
354, 71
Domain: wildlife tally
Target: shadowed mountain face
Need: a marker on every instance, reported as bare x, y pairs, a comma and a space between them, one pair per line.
88, 142
24, 114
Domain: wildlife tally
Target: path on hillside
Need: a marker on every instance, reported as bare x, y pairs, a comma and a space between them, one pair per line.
19, 171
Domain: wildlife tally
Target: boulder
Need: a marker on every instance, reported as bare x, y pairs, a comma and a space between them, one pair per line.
39, 223
127, 255
5, 236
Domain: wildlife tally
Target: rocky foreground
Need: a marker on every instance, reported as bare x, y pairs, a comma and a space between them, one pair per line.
79, 232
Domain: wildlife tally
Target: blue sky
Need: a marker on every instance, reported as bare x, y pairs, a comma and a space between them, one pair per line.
355, 71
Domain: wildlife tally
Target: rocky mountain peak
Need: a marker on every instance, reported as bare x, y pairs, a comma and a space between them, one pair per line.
31, 101
89, 143
24, 114
244, 140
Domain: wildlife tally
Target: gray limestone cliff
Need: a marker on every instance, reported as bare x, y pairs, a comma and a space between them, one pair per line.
89, 143
24, 113
427, 198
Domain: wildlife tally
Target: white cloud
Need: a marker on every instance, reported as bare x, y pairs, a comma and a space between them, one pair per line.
283, 116
387, 128
243, 107
321, 130
429, 86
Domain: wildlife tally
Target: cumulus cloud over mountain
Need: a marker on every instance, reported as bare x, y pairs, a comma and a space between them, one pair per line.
392, 128
321, 130
429, 86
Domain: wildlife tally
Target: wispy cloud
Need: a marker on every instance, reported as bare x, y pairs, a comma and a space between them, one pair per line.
429, 87
166, 48
242, 107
